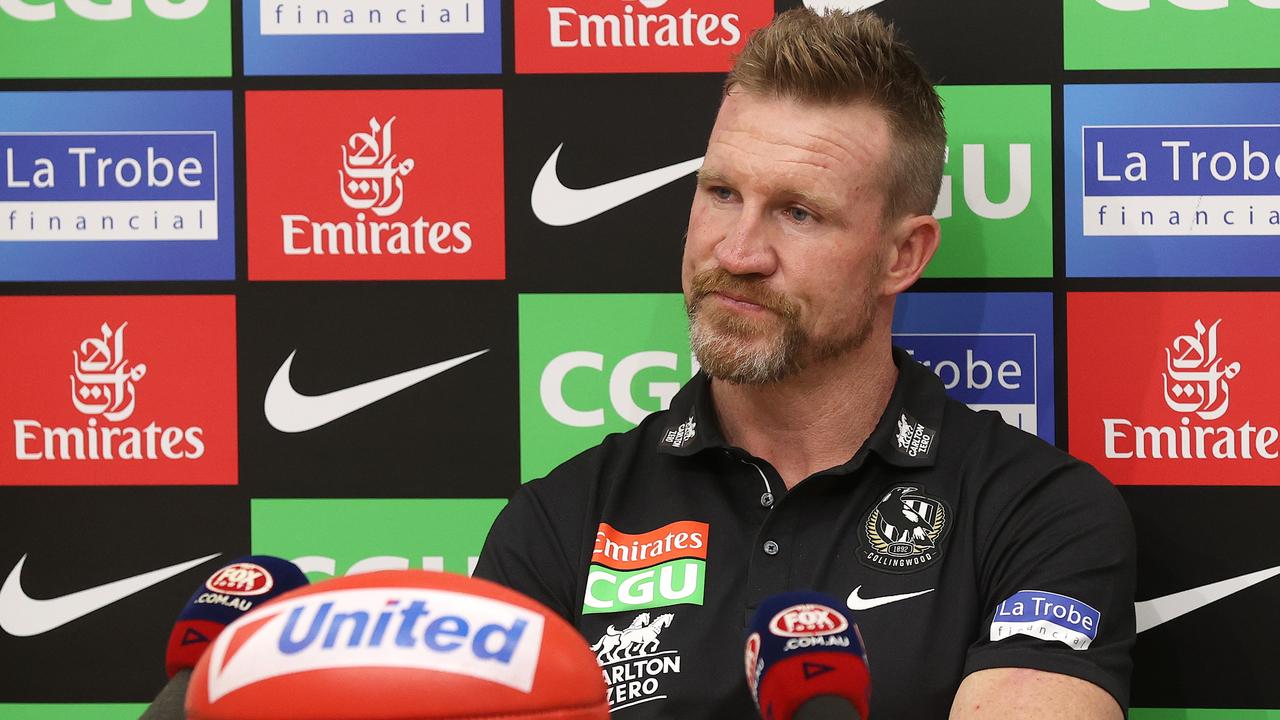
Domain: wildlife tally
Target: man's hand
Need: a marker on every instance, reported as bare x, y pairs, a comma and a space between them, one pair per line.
1027, 694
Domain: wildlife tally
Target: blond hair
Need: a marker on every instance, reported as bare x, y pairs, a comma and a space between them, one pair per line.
841, 57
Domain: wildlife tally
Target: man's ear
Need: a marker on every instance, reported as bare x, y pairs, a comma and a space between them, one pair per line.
913, 241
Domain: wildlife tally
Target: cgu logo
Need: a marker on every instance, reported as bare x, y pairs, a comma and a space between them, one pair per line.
95, 10
551, 385
974, 183
641, 589
1132, 5
328, 566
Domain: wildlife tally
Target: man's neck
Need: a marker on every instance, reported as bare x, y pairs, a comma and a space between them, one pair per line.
815, 419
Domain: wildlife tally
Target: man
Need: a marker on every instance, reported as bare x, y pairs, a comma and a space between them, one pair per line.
991, 575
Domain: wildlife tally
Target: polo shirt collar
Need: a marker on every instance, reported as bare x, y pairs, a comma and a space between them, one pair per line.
906, 435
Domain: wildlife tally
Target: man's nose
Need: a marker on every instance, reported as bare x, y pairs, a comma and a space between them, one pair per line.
746, 248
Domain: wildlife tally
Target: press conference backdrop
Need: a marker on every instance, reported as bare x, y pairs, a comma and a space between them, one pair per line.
212, 211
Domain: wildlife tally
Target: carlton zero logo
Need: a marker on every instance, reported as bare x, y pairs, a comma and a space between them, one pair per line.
384, 185
666, 566
1192, 403
118, 391
574, 36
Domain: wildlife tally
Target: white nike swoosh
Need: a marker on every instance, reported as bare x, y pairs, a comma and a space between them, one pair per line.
557, 205
1157, 611
861, 603
24, 616
289, 411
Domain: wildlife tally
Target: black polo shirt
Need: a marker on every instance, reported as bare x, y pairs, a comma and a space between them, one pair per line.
959, 543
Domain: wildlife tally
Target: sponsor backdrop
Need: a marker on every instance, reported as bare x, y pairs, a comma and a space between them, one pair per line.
329, 280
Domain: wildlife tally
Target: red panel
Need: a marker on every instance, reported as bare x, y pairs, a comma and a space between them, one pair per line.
375, 185
129, 390
601, 36
1155, 399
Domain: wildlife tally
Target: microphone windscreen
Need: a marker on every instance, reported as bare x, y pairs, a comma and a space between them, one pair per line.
231, 591
801, 647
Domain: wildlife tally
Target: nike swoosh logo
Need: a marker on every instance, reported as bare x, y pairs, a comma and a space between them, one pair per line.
24, 616
557, 205
1151, 613
290, 411
860, 603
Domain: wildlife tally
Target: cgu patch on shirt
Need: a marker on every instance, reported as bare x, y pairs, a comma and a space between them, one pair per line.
666, 566
1048, 616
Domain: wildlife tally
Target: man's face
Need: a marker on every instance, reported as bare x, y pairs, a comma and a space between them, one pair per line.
784, 258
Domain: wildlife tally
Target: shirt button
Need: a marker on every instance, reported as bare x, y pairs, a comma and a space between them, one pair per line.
770, 547
767, 499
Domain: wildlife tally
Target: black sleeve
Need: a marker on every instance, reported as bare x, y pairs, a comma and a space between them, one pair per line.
1060, 549
525, 551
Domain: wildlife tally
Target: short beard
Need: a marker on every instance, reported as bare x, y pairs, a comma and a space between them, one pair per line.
738, 350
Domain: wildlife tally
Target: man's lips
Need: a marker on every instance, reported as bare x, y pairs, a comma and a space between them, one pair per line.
738, 301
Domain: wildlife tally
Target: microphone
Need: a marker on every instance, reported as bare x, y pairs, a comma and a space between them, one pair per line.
805, 660
231, 591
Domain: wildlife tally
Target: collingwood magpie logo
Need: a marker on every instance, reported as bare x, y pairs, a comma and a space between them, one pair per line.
904, 530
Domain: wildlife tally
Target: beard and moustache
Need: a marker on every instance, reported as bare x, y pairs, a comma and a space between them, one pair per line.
746, 350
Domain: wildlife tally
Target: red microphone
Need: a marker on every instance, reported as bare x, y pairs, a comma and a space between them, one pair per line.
805, 660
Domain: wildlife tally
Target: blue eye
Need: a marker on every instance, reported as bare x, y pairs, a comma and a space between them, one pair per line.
799, 214
722, 193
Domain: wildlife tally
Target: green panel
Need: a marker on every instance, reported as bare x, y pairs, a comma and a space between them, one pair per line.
1201, 714
373, 534
80, 711
988, 230
679, 582
1241, 35
615, 328
142, 44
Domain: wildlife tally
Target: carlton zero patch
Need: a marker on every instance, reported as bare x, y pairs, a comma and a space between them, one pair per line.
1048, 616
662, 567
383, 185
633, 660
127, 390
904, 531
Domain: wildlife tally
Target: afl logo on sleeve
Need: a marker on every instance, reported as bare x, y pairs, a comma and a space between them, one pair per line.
904, 531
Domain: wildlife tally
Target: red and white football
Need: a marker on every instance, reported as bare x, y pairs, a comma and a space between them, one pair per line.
398, 645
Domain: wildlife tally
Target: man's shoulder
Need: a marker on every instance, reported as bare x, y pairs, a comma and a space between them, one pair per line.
983, 442
615, 457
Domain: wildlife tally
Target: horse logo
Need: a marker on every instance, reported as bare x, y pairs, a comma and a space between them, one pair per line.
639, 638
